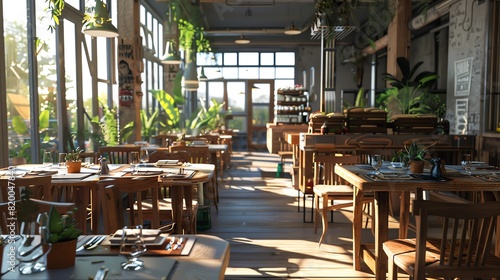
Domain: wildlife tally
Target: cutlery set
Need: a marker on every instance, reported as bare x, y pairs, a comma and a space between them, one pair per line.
92, 243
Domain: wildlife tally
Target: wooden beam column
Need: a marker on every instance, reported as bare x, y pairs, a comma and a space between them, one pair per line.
130, 65
398, 37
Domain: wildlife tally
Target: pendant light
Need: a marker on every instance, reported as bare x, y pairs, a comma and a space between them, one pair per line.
171, 55
242, 40
99, 24
190, 77
292, 30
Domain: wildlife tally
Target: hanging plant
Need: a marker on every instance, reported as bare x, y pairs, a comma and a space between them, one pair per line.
54, 9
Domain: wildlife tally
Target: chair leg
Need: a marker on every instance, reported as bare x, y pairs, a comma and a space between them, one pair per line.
324, 219
393, 270
316, 212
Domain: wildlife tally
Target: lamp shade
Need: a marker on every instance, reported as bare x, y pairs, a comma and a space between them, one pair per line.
100, 23
190, 77
242, 40
171, 55
292, 30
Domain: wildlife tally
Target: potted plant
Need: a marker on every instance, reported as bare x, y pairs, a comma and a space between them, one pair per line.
404, 97
73, 161
62, 234
416, 154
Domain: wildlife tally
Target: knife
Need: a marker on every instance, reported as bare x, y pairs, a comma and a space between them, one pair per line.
88, 243
96, 243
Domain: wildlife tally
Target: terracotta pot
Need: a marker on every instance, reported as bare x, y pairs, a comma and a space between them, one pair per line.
62, 254
18, 161
417, 166
74, 166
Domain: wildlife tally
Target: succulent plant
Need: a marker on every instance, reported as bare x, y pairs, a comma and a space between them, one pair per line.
74, 155
61, 227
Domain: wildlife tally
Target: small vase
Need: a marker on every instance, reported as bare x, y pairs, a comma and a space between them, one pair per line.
74, 166
62, 254
417, 166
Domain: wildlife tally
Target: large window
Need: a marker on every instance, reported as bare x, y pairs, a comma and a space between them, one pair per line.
229, 74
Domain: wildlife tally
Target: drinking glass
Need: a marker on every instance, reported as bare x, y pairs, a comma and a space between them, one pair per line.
144, 156
376, 163
405, 163
132, 247
32, 258
62, 160
467, 163
47, 159
134, 160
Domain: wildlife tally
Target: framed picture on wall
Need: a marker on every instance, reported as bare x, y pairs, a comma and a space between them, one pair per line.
463, 71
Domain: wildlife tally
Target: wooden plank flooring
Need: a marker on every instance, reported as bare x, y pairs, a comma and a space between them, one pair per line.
258, 216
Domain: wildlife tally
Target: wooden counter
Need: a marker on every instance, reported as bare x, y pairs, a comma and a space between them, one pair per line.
275, 131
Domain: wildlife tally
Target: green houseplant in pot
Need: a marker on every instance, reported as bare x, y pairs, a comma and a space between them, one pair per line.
61, 232
416, 154
73, 161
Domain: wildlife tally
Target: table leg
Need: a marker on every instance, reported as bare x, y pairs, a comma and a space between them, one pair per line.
177, 195
404, 214
357, 225
95, 207
381, 233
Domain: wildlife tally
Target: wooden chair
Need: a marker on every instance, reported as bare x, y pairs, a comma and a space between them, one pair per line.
118, 154
197, 154
40, 187
90, 157
285, 151
414, 124
181, 156
462, 248
329, 187
366, 120
200, 154
140, 207
35, 206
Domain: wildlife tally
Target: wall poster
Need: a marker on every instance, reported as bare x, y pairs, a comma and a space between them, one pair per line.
463, 71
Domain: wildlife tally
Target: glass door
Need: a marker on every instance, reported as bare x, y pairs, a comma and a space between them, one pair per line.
259, 98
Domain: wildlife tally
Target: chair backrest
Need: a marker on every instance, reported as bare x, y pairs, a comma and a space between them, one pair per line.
135, 189
465, 238
34, 207
197, 154
118, 154
90, 157
368, 145
366, 120
39, 186
414, 124
181, 156
324, 167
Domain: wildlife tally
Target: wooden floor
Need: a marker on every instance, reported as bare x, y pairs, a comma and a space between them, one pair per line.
258, 216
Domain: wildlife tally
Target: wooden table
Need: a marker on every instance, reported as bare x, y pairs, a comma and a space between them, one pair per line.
207, 259
87, 185
363, 183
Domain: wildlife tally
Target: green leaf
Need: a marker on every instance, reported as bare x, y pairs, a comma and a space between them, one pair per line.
19, 125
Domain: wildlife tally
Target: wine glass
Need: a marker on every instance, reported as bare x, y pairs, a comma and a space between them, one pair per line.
132, 246
134, 160
47, 159
467, 163
31, 259
144, 156
376, 163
